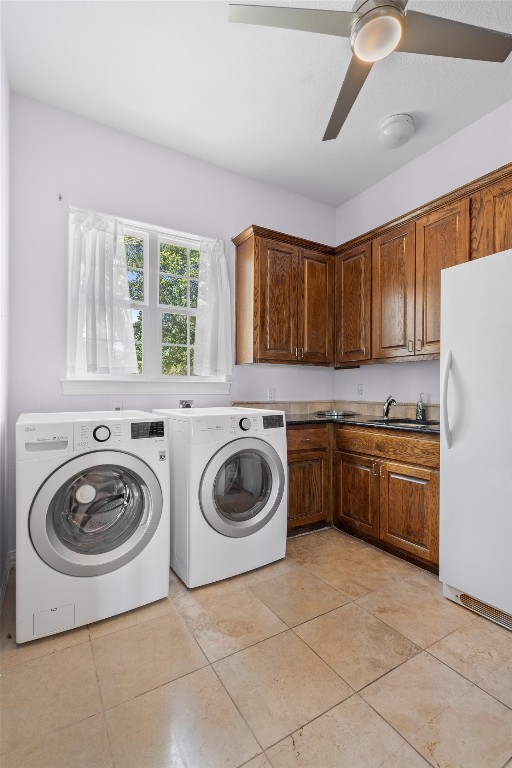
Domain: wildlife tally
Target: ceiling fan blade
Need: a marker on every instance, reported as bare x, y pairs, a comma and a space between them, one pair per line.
435, 36
304, 19
357, 73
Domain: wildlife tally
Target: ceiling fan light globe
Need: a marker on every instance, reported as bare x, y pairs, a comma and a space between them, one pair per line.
395, 131
376, 34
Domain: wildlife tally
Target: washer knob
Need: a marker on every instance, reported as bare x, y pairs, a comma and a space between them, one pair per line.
101, 433
245, 424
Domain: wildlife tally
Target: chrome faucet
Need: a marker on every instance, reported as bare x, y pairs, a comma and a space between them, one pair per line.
387, 405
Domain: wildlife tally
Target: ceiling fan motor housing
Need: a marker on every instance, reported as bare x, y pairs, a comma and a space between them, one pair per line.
377, 32
365, 6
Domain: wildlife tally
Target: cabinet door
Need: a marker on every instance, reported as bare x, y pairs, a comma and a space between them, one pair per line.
491, 219
316, 302
409, 509
278, 302
308, 488
353, 305
442, 240
356, 484
393, 268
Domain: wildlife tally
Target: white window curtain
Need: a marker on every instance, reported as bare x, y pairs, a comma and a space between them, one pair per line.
100, 328
213, 354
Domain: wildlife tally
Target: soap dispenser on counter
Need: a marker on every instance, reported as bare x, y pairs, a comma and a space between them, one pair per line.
420, 409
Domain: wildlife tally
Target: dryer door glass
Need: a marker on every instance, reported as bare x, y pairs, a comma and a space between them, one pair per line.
98, 510
242, 486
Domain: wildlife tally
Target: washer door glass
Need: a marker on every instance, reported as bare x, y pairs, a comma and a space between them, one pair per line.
242, 487
95, 513
98, 510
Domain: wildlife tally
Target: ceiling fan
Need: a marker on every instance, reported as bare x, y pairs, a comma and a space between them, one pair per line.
376, 28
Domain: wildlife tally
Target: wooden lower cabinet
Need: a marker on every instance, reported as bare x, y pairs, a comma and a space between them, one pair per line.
387, 489
308, 488
309, 475
409, 509
356, 489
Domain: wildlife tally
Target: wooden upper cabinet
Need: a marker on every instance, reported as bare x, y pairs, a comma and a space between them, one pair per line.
491, 219
442, 240
278, 290
353, 305
316, 327
393, 277
284, 300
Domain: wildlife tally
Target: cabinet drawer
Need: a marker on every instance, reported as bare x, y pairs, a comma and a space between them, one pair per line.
402, 446
305, 438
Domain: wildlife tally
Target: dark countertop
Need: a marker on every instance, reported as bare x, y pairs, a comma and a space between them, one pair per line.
361, 420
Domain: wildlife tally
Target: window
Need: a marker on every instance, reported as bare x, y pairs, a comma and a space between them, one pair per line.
163, 275
153, 276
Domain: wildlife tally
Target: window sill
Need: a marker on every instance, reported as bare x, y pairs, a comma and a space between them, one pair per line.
156, 387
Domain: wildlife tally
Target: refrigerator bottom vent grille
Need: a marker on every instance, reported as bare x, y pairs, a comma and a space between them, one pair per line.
499, 617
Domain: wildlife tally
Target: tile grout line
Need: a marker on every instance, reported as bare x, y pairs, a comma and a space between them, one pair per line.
103, 712
238, 710
472, 682
429, 720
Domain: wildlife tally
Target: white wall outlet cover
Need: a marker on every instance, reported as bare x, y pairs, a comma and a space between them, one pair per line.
360, 391
117, 405
271, 394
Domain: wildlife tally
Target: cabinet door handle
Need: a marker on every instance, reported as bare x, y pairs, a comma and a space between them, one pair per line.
302, 353
419, 343
410, 346
296, 353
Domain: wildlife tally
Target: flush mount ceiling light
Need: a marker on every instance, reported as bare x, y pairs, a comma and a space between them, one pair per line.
376, 28
396, 131
376, 34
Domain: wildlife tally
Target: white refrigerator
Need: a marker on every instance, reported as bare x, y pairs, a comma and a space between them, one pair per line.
475, 544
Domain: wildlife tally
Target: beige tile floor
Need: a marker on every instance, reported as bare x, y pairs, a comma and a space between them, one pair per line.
339, 656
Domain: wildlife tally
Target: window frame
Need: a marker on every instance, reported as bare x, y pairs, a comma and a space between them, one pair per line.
152, 380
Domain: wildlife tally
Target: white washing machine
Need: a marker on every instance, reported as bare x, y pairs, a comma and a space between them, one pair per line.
92, 517
229, 491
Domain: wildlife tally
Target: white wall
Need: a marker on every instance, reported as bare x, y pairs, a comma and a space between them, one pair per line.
478, 149
4, 306
54, 152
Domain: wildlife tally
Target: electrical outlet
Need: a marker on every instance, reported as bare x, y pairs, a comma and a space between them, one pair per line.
271, 394
117, 405
360, 391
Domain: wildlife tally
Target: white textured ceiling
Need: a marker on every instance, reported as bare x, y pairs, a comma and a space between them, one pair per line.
251, 99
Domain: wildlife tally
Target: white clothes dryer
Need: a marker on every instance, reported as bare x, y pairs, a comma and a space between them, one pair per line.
92, 517
229, 491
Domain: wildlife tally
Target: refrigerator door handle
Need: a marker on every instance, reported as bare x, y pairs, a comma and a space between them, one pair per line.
444, 400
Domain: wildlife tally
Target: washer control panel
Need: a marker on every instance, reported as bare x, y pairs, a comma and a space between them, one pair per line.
101, 434
116, 433
141, 429
90, 434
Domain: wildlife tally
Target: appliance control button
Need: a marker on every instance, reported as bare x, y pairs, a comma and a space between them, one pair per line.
245, 424
101, 434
